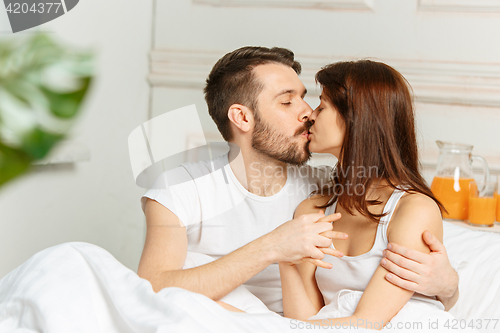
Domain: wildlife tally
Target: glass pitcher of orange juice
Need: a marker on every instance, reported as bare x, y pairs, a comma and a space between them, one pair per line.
454, 172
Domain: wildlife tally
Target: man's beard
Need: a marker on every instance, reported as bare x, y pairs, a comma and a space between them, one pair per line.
276, 145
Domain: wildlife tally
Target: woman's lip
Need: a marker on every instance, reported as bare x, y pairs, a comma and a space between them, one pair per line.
306, 135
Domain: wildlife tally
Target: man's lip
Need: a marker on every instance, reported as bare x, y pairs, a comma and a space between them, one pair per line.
306, 134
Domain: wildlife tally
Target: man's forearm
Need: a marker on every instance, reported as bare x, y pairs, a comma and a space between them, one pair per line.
450, 299
218, 278
449, 302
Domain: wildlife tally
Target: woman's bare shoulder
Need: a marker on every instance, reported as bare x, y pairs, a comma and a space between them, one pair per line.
417, 212
417, 202
310, 205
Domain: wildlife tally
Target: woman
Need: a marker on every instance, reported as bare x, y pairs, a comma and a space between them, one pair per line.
366, 120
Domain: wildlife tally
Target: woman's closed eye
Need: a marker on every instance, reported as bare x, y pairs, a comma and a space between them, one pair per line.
287, 103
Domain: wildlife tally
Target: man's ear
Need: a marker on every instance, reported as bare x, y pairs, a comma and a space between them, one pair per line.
241, 117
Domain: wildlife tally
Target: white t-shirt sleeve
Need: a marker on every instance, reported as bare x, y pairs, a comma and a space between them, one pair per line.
176, 190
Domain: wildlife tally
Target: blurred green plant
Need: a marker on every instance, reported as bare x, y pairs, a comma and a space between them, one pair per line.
42, 85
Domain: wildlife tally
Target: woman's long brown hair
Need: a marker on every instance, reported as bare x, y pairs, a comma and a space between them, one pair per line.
376, 105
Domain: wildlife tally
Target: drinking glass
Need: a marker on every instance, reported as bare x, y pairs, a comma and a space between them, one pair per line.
482, 203
497, 195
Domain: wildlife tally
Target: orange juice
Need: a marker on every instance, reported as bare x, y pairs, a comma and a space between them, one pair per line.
453, 195
482, 210
498, 206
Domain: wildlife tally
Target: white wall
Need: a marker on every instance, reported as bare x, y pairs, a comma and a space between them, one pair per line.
447, 49
95, 201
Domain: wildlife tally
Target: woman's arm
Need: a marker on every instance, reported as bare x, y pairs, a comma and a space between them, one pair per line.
381, 300
301, 296
229, 307
299, 302
434, 273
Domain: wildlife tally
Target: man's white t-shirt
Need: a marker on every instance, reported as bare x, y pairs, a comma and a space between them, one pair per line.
221, 216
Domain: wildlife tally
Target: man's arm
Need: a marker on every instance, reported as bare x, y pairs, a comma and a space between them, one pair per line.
428, 274
165, 251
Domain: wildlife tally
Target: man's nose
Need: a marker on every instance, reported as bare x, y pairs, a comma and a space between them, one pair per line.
306, 113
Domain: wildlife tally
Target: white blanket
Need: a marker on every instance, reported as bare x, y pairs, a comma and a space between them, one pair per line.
418, 314
79, 287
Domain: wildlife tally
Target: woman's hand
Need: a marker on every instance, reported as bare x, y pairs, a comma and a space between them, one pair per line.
317, 262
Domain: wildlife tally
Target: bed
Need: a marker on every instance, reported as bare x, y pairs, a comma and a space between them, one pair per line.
80, 287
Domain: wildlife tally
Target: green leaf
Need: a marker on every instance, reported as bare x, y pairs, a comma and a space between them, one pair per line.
66, 105
39, 142
13, 163
27, 74
15, 88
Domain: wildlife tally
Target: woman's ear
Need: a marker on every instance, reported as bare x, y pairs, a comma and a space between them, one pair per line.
241, 117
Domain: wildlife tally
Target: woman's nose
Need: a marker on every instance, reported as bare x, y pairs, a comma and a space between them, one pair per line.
313, 116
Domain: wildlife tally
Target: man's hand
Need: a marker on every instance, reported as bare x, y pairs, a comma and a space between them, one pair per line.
306, 238
428, 274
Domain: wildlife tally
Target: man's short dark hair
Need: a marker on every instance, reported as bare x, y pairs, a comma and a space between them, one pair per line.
232, 81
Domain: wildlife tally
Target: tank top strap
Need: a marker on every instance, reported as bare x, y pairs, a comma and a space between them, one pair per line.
381, 235
331, 209
389, 208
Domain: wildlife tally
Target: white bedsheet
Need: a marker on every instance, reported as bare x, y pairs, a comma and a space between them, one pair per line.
79, 287
477, 255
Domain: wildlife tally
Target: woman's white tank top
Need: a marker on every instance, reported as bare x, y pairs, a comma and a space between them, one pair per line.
355, 272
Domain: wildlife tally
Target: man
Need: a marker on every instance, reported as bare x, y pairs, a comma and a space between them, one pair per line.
238, 208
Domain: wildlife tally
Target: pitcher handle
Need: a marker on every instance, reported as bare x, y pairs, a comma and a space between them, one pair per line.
486, 169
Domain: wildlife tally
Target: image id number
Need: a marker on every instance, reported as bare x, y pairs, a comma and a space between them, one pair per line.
477, 324
47, 7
